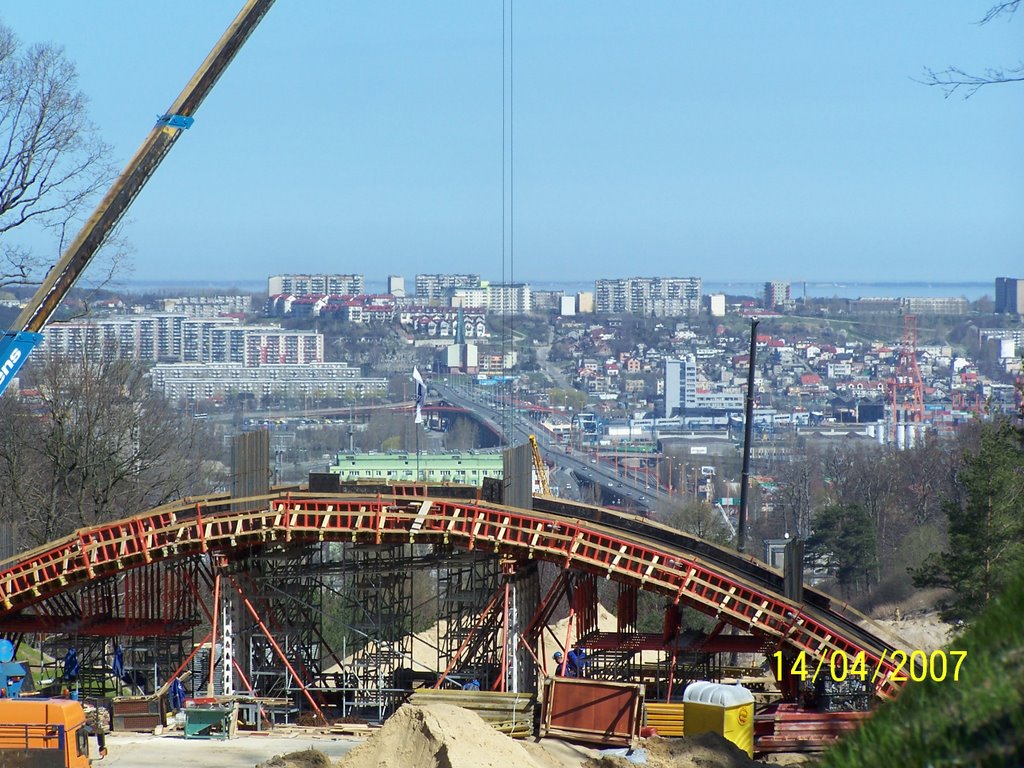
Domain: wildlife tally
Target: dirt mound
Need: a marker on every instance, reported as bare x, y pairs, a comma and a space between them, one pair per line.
927, 633
708, 750
307, 758
438, 736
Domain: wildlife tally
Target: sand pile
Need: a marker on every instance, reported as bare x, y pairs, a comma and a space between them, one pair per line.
927, 632
438, 736
307, 758
708, 750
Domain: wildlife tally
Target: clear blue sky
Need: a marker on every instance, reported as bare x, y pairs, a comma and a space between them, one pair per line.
754, 141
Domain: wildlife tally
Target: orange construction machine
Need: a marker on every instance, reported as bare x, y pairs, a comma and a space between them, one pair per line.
45, 733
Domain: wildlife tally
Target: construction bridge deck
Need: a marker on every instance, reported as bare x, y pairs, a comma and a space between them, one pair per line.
722, 583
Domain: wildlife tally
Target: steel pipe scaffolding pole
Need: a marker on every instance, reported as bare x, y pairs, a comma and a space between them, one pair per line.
748, 425
280, 653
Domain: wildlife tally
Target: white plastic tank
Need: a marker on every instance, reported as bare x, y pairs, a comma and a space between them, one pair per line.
718, 694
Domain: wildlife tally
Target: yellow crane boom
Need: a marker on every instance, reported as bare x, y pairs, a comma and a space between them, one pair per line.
538, 465
16, 344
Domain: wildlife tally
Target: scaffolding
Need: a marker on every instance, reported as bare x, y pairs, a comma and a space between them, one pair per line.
373, 587
284, 587
148, 612
312, 572
623, 661
466, 581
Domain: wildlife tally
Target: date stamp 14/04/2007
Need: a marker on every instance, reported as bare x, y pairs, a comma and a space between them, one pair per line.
916, 666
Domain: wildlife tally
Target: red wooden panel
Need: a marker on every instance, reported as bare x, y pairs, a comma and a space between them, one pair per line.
591, 710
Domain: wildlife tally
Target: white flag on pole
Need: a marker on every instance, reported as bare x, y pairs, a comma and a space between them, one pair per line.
421, 393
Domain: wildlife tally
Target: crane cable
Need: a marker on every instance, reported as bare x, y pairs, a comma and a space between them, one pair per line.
507, 216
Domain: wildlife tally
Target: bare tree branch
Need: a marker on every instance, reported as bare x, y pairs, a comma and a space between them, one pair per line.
1009, 7
52, 162
93, 444
954, 79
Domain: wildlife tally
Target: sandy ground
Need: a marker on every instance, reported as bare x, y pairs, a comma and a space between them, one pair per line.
469, 745
555, 753
144, 751
135, 750
926, 633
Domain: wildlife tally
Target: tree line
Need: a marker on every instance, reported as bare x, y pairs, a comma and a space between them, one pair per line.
90, 442
880, 523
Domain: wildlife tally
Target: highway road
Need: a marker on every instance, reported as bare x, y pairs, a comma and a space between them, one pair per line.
482, 403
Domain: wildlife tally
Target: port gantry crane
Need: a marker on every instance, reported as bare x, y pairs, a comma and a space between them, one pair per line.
17, 344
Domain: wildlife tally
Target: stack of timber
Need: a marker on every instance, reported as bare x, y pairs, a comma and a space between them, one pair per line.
509, 713
789, 728
665, 718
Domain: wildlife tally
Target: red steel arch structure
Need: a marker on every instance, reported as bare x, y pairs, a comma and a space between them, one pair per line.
598, 545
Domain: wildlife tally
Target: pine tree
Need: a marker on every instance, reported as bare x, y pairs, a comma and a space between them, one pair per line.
843, 540
986, 524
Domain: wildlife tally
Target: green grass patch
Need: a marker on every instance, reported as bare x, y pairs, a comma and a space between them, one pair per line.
976, 720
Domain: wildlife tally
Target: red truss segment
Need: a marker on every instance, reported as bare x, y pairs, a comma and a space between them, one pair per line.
168, 533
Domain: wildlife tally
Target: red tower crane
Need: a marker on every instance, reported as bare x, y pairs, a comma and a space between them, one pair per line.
906, 392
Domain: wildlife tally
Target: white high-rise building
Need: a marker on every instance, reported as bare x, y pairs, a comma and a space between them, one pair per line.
324, 285
777, 295
396, 286
662, 296
683, 393
432, 288
516, 299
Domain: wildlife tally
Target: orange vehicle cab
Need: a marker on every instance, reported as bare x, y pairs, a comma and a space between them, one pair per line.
43, 733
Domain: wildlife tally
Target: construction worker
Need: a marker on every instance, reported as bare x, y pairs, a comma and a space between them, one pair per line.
577, 661
562, 668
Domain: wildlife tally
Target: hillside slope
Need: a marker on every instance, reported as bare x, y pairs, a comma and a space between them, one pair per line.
976, 720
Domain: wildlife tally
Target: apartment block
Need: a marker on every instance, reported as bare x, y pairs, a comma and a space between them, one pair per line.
874, 305
716, 305
194, 381
207, 306
179, 338
661, 296
146, 338
777, 295
515, 299
304, 285
396, 286
923, 305
684, 395
461, 468
436, 288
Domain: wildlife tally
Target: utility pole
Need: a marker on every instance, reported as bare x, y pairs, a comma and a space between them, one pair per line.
748, 426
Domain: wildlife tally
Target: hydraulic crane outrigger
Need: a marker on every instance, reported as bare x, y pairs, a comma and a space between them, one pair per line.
17, 343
